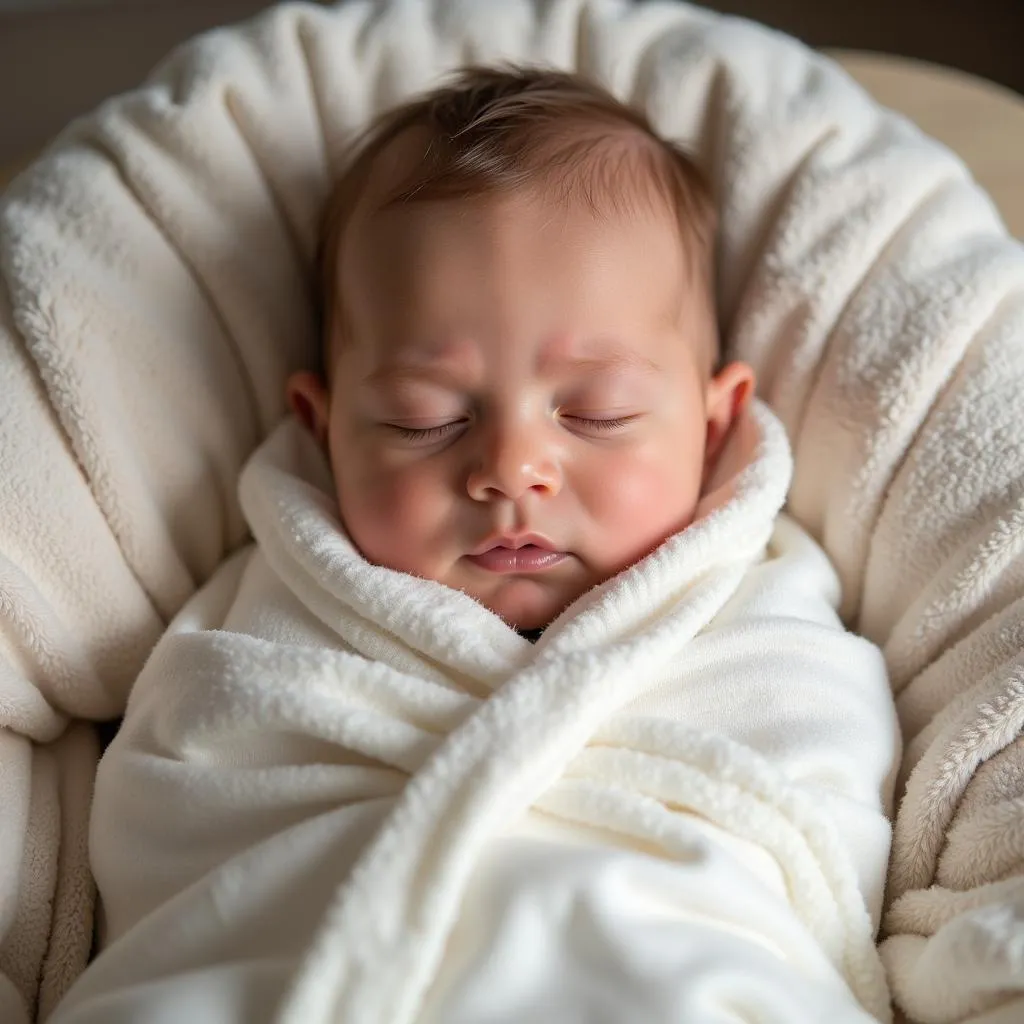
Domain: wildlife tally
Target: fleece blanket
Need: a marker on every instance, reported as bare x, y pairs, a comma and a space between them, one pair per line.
723, 746
155, 269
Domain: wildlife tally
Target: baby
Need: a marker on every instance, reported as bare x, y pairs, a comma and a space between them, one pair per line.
348, 789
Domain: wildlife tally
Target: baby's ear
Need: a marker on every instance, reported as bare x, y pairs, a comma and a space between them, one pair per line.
728, 394
308, 399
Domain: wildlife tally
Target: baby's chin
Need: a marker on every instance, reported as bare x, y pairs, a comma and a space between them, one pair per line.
526, 603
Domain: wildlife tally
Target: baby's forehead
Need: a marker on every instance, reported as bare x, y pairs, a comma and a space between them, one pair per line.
513, 270
523, 242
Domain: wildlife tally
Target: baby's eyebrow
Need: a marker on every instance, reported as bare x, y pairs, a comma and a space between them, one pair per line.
396, 374
452, 376
623, 359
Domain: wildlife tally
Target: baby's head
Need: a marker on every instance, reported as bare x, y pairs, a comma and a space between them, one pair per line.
520, 394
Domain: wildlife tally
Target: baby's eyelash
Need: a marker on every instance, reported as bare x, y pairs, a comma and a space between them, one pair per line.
443, 430
424, 433
595, 424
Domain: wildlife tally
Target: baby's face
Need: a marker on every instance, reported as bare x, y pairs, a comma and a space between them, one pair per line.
520, 404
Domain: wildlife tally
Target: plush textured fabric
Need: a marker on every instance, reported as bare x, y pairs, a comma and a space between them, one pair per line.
712, 754
156, 290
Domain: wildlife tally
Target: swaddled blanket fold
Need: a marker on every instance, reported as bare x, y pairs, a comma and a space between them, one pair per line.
338, 786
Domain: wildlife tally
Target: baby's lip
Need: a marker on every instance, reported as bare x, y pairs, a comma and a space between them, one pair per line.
527, 559
514, 541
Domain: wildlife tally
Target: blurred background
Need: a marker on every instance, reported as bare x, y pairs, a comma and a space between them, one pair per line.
59, 58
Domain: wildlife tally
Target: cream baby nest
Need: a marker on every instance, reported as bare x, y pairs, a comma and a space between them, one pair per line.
156, 263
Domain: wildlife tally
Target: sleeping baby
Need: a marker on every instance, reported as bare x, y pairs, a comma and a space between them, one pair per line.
527, 701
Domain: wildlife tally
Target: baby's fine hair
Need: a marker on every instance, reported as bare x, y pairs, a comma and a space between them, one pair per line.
503, 129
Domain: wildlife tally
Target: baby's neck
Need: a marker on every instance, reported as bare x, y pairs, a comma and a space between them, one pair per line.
533, 635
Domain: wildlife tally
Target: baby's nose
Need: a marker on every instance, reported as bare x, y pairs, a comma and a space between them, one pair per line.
513, 462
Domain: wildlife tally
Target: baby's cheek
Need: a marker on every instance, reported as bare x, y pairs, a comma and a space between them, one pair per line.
640, 504
391, 518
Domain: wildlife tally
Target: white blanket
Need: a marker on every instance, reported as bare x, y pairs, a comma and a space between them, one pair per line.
317, 806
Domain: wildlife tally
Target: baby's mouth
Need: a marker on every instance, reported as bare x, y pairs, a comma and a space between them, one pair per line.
530, 558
